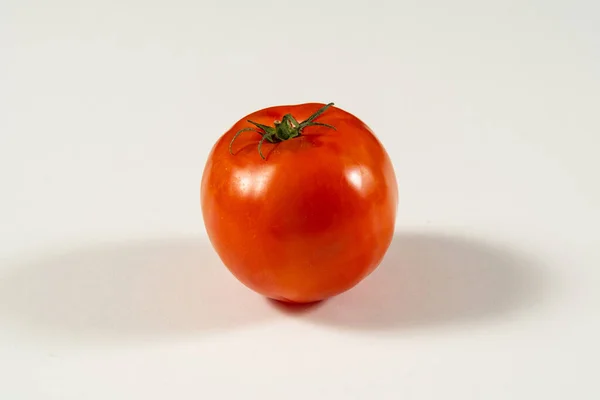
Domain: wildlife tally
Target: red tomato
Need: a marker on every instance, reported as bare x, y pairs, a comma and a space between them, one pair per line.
313, 217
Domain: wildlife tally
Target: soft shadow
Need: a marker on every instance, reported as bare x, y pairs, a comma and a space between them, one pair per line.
430, 280
146, 288
295, 308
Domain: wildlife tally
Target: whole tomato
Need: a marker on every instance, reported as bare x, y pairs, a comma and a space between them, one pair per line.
299, 201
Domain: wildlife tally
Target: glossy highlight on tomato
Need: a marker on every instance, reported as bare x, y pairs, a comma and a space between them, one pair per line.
299, 201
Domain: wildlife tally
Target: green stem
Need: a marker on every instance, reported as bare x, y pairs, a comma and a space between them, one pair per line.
286, 129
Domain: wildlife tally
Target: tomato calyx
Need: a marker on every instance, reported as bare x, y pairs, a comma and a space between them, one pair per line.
286, 129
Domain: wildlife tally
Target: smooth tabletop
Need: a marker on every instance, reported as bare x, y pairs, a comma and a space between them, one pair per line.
109, 288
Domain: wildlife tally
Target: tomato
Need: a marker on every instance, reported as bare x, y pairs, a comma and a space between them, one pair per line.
299, 211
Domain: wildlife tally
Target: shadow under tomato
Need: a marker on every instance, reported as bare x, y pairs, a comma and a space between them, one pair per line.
131, 289
295, 308
430, 280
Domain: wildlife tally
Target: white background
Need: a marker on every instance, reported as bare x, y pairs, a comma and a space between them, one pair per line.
490, 113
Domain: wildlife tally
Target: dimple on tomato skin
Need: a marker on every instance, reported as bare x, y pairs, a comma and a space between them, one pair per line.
312, 218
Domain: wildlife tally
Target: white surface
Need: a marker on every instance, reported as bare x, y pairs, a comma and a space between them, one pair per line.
108, 289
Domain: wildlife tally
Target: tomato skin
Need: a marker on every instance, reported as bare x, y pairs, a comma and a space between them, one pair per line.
311, 220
